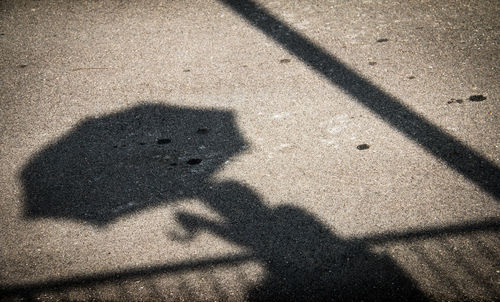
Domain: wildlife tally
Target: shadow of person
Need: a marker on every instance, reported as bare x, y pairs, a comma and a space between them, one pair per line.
150, 155
303, 259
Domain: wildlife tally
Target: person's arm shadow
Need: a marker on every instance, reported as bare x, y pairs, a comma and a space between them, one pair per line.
303, 258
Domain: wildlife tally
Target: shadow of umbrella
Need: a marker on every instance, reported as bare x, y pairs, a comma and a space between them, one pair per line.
151, 154
123, 162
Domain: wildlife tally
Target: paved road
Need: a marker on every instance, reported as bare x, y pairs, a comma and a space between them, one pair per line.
240, 150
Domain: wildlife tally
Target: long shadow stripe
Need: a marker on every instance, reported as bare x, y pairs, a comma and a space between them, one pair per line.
455, 154
488, 225
117, 276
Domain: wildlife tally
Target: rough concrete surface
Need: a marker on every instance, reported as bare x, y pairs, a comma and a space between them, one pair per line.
249, 150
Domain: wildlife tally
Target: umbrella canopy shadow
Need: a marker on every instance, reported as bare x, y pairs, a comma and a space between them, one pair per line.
118, 164
151, 155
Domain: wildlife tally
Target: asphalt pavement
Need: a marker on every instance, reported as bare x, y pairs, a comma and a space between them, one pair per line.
249, 150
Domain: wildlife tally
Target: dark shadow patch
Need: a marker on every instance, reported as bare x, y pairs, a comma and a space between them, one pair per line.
363, 147
202, 131
194, 161
477, 98
163, 141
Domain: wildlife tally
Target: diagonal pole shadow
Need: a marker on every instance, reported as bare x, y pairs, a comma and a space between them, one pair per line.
445, 147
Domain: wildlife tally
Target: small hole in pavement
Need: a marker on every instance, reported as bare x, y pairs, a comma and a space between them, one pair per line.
363, 147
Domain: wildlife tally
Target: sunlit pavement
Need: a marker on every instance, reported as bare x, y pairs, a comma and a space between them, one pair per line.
239, 150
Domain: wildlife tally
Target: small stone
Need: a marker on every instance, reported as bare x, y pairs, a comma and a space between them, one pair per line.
372, 63
411, 77
477, 98
186, 70
363, 147
284, 61
382, 40
23, 65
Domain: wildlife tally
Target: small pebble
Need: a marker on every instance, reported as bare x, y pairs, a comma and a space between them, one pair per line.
411, 77
363, 147
382, 40
372, 63
282, 61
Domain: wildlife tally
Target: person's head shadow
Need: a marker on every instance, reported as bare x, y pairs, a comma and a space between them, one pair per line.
120, 163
